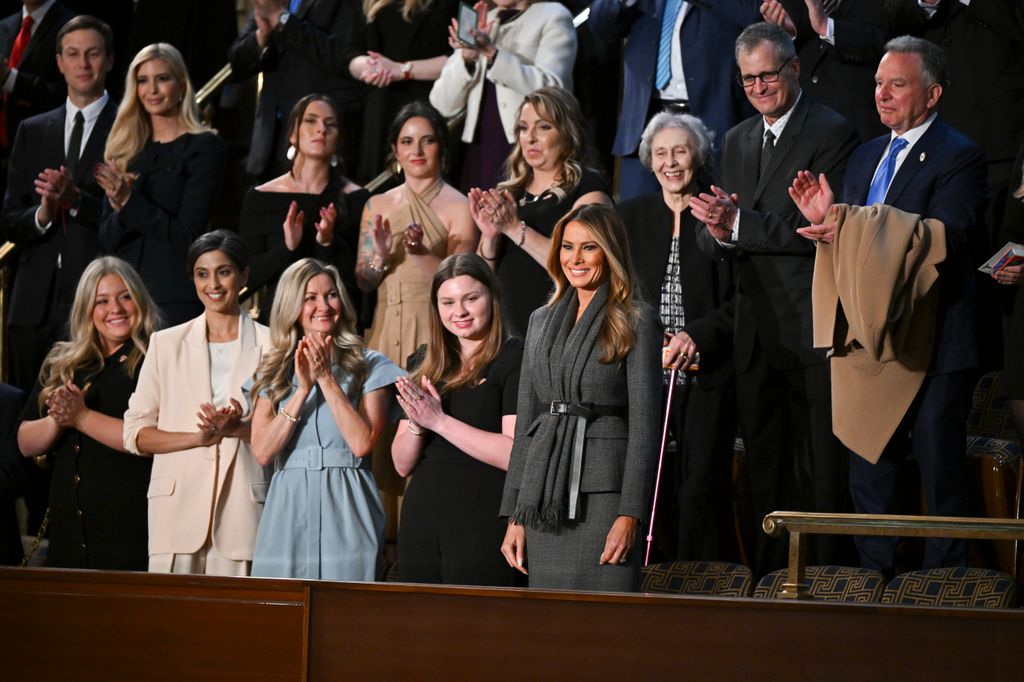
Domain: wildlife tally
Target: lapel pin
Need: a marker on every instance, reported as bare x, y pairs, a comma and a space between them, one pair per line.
922, 157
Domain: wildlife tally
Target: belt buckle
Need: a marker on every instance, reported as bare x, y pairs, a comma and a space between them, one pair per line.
558, 407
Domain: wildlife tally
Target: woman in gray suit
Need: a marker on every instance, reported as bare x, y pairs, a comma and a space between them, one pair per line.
582, 465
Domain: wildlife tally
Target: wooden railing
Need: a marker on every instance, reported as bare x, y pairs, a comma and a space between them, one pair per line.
798, 524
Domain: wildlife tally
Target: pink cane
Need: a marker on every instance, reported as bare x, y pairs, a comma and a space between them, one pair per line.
661, 459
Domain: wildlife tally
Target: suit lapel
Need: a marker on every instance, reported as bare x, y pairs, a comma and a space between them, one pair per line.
928, 145
38, 35
198, 360
782, 146
55, 138
859, 179
751, 157
97, 142
304, 7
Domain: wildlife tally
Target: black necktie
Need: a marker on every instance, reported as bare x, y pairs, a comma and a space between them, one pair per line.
830, 6
75, 144
766, 151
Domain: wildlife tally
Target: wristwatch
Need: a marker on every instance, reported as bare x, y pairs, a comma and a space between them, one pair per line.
406, 71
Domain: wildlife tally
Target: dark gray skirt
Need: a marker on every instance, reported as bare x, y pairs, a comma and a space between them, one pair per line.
566, 558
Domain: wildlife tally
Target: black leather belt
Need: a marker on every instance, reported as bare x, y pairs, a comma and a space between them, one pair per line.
583, 412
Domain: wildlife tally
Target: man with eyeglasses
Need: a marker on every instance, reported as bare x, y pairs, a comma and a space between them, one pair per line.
782, 382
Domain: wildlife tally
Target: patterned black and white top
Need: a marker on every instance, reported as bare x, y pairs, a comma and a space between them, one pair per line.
670, 308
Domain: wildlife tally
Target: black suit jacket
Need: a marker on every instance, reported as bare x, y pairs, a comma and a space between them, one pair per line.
842, 75
943, 177
774, 264
13, 474
170, 206
984, 44
39, 86
307, 54
38, 145
707, 284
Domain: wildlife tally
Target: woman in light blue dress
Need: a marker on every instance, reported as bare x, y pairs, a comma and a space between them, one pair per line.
321, 402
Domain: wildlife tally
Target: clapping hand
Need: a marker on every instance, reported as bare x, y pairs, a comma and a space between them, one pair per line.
116, 183
317, 350
494, 212
773, 12
414, 240
57, 190
325, 226
382, 237
814, 197
422, 404
292, 226
717, 211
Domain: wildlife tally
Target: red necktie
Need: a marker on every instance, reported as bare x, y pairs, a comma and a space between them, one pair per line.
21, 42
17, 50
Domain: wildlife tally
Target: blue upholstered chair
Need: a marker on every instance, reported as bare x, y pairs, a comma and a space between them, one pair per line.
829, 583
969, 587
710, 578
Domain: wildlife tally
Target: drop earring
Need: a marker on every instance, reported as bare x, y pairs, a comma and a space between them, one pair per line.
290, 154
334, 160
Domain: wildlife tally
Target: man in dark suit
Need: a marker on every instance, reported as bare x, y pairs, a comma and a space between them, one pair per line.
926, 167
299, 47
29, 76
52, 205
782, 382
692, 43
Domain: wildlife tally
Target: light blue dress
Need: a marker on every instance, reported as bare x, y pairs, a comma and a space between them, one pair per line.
323, 516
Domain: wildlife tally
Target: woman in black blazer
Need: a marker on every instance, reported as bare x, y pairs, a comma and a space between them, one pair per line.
161, 175
693, 295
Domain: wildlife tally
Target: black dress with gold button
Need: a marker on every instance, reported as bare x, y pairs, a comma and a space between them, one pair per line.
97, 495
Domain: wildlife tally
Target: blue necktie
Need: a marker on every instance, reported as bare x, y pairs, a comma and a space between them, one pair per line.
883, 178
293, 6
668, 24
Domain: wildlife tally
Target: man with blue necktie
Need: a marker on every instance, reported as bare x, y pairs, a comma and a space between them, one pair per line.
679, 57
928, 168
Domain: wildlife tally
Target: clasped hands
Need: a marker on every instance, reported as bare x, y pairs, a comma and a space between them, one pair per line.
482, 33
814, 197
295, 218
494, 212
66, 405
215, 424
422, 403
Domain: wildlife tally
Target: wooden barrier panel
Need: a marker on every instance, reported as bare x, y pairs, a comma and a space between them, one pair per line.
79, 625
99, 625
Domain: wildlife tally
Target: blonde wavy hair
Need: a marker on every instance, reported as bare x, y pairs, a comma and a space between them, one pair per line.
409, 8
560, 107
622, 311
443, 364
85, 347
275, 370
132, 128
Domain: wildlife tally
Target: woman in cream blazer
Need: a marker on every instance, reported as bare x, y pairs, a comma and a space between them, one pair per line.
206, 492
525, 46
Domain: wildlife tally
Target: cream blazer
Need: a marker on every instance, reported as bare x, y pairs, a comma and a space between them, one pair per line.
535, 50
216, 490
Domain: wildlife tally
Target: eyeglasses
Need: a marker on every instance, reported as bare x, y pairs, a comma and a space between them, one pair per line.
765, 76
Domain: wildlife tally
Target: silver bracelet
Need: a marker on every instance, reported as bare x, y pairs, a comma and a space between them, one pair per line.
522, 234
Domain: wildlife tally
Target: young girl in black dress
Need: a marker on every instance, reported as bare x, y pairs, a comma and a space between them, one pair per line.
460, 406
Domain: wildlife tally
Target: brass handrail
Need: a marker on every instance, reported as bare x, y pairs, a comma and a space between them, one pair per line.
798, 523
218, 79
